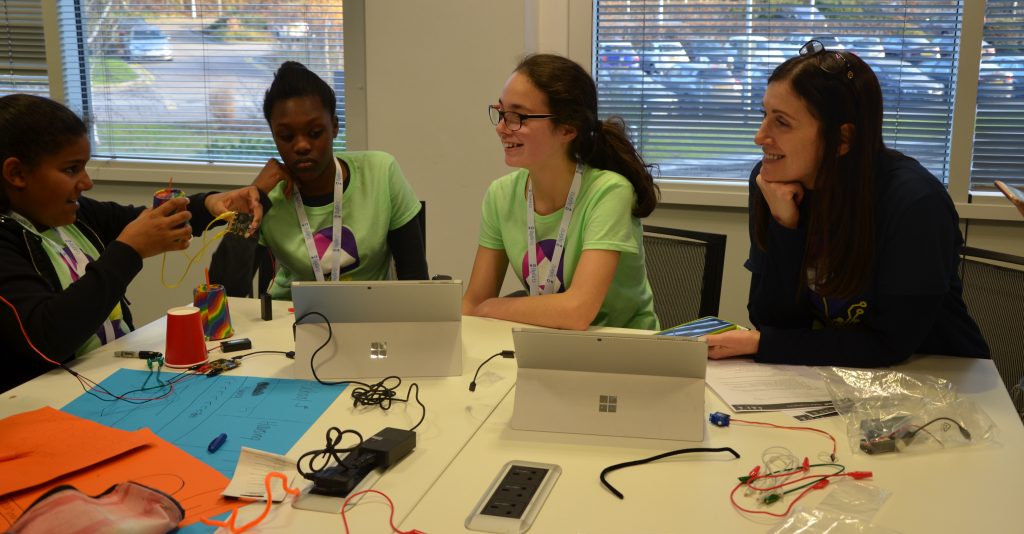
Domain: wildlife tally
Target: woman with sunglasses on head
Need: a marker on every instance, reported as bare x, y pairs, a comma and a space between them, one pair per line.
334, 216
568, 218
854, 246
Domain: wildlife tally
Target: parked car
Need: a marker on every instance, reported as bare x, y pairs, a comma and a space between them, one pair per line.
148, 42
1005, 72
708, 80
289, 31
903, 79
631, 92
659, 56
999, 76
910, 48
865, 47
617, 55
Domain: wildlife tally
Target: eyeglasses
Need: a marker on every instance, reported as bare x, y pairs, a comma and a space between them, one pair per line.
830, 61
513, 121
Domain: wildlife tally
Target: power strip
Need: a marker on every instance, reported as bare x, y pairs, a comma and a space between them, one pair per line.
514, 498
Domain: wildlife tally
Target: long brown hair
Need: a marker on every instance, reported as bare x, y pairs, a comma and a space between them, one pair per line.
572, 98
840, 247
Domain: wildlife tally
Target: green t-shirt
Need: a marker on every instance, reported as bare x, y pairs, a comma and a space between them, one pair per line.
602, 219
376, 201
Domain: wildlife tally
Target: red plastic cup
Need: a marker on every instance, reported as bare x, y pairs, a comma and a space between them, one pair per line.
185, 344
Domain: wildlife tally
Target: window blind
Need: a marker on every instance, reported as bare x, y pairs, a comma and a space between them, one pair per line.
22, 45
999, 127
688, 76
184, 80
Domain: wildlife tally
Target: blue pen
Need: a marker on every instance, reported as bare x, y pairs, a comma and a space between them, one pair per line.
216, 443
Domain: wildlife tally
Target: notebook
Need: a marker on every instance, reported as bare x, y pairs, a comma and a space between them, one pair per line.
611, 384
378, 328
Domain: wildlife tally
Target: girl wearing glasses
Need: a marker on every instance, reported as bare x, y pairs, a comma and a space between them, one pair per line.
333, 217
854, 246
568, 218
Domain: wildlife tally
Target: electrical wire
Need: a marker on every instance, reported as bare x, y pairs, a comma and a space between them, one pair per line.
376, 394
772, 495
88, 385
289, 354
391, 517
807, 429
330, 452
207, 241
609, 469
504, 353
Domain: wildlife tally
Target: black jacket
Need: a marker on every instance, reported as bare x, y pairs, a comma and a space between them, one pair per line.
912, 304
59, 321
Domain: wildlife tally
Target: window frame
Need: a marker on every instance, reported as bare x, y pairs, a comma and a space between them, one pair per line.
127, 170
579, 36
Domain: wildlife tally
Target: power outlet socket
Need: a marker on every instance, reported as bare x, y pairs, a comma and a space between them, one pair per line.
514, 498
515, 491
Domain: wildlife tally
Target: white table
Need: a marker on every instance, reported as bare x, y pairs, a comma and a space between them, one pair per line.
970, 489
453, 413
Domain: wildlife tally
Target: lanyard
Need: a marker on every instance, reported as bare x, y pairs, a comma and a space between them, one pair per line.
307, 232
563, 228
77, 261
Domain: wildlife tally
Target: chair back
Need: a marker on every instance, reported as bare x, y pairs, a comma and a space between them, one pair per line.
994, 294
685, 271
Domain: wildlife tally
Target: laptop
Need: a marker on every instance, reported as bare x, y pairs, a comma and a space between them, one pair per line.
610, 384
378, 328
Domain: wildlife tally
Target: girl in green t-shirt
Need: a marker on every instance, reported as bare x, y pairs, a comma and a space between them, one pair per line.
333, 217
568, 219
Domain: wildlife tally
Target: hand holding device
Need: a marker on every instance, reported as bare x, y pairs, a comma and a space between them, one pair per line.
244, 200
160, 229
700, 327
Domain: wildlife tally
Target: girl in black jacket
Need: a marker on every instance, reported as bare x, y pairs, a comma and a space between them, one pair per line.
65, 260
854, 247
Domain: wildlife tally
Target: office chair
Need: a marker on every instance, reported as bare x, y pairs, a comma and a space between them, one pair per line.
994, 293
685, 271
236, 261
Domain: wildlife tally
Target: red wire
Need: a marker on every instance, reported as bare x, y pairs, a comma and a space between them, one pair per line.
85, 381
732, 497
391, 518
829, 436
823, 480
25, 334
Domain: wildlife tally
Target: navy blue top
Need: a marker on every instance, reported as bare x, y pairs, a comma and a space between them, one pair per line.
912, 303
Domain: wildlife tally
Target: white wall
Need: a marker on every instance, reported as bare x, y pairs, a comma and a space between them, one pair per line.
431, 69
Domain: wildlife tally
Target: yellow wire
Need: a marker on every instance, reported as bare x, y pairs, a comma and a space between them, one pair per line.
227, 215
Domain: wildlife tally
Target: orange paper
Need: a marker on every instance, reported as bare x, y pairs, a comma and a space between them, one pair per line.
157, 464
41, 445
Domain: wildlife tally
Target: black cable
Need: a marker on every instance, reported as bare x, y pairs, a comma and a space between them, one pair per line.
504, 354
289, 354
376, 394
611, 468
330, 452
913, 433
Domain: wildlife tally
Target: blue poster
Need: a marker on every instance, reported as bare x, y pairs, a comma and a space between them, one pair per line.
269, 414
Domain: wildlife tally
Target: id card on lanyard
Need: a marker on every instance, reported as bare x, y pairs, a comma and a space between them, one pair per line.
307, 232
563, 228
76, 262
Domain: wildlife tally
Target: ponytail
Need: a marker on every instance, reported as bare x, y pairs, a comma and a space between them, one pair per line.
609, 148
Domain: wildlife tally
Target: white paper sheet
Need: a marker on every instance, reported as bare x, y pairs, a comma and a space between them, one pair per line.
756, 387
252, 469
